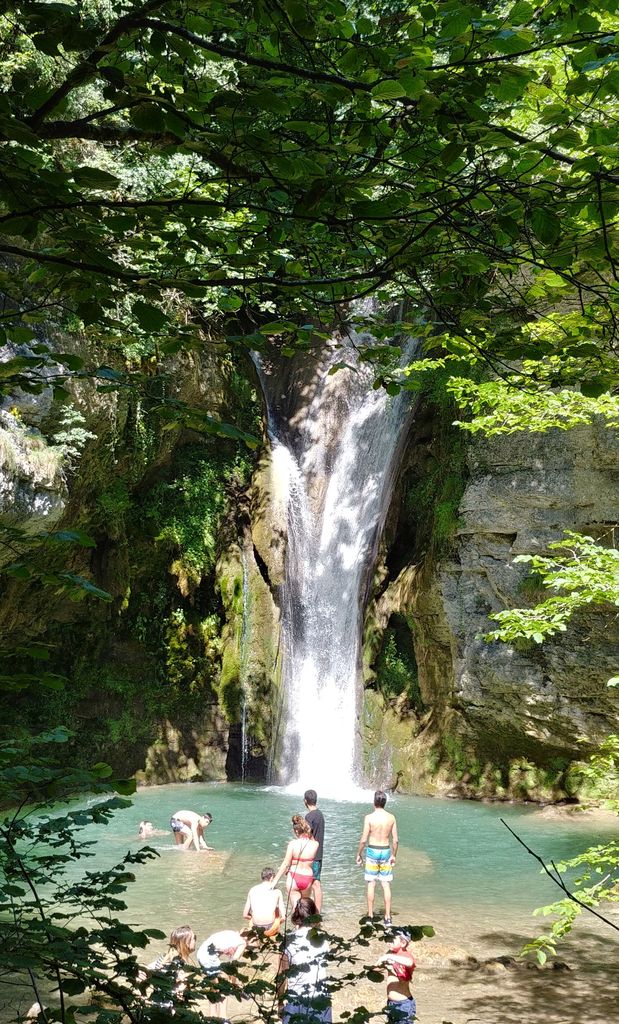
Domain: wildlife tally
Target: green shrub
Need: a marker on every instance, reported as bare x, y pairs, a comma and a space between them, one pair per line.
396, 666
187, 511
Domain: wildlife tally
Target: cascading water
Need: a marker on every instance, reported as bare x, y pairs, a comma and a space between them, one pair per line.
243, 667
335, 468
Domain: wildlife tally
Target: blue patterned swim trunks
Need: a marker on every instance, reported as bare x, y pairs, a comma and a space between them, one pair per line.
378, 866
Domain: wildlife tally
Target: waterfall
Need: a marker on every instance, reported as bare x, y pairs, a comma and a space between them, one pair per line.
334, 461
243, 666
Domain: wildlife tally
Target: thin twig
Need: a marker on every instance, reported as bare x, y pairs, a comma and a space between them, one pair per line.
558, 880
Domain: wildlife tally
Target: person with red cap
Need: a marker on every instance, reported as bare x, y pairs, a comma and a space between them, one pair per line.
400, 964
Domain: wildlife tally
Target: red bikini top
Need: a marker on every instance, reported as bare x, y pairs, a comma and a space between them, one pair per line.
403, 972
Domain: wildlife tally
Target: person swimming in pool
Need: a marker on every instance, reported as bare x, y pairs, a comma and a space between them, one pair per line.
297, 864
147, 830
380, 839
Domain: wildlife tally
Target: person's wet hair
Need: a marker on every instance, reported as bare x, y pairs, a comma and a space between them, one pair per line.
300, 826
183, 939
310, 796
207, 816
304, 909
267, 874
380, 798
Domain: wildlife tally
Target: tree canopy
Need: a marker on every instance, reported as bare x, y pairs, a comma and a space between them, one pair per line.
170, 165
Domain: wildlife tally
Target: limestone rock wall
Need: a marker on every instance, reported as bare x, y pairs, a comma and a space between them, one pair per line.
496, 720
33, 491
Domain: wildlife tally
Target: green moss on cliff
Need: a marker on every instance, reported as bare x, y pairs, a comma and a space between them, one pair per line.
229, 688
435, 477
161, 508
186, 511
431, 500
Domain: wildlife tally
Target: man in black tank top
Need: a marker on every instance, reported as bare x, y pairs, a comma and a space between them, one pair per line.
316, 821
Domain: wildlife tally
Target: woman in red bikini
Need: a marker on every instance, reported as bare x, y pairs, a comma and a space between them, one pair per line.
300, 855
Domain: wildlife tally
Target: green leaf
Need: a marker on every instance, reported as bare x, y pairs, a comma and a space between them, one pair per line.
108, 373
73, 986
388, 89
126, 787
148, 117
150, 318
546, 224
82, 587
451, 153
72, 537
70, 360
95, 178
373, 975
18, 571
520, 13
229, 303
412, 84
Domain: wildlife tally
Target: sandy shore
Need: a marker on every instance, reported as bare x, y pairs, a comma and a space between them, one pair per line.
575, 813
452, 986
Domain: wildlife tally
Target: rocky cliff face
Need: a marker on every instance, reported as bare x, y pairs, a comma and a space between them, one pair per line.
145, 685
494, 720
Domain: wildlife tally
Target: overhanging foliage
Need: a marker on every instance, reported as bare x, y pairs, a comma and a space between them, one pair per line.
167, 162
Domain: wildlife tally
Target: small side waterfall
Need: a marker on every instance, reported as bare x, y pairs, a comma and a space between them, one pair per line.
335, 461
243, 667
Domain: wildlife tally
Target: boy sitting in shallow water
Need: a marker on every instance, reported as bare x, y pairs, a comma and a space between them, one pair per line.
264, 905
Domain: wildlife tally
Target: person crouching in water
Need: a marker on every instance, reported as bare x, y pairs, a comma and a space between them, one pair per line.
401, 1007
264, 905
188, 828
300, 856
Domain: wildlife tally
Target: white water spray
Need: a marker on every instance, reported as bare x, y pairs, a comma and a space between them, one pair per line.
335, 470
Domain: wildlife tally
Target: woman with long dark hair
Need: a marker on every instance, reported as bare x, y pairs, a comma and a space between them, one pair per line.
302, 970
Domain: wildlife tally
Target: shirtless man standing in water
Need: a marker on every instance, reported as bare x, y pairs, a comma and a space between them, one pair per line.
380, 837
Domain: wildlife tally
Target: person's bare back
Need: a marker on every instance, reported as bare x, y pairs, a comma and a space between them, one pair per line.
264, 905
380, 824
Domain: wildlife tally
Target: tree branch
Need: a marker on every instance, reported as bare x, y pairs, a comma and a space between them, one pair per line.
88, 67
257, 62
144, 278
559, 881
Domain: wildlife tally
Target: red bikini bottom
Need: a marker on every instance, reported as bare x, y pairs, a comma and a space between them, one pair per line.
302, 882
